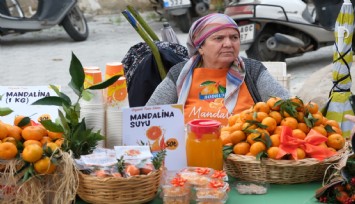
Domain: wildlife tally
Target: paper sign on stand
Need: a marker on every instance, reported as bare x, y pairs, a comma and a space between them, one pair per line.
159, 126
20, 98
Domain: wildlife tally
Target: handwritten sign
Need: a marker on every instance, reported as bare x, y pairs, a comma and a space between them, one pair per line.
20, 98
161, 127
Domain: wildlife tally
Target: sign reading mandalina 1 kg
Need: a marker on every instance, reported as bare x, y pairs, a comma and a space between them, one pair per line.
20, 98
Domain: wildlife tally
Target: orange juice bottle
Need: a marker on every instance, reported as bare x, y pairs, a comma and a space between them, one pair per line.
203, 144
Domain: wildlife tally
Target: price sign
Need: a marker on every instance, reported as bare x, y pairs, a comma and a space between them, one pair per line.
161, 127
20, 98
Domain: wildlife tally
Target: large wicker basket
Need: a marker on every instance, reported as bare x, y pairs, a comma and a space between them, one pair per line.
136, 189
278, 171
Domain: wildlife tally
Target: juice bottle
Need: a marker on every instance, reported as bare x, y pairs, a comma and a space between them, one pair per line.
203, 144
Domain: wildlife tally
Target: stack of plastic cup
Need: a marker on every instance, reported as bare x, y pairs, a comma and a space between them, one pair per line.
94, 110
113, 129
116, 98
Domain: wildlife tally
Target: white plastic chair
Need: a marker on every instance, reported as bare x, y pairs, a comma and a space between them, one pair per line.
279, 71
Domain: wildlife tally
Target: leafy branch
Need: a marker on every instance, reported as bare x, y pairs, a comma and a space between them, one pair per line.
77, 137
158, 159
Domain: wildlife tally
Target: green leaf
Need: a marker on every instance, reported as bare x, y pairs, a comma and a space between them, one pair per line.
65, 97
51, 126
278, 103
77, 90
261, 155
5, 111
255, 114
221, 89
252, 122
268, 141
329, 129
54, 160
77, 110
61, 94
77, 73
64, 122
308, 122
47, 150
26, 175
71, 115
261, 125
289, 107
19, 146
259, 138
55, 89
227, 150
51, 101
105, 83
206, 83
29, 172
86, 95
25, 121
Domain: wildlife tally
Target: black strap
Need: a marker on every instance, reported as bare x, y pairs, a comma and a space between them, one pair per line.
335, 83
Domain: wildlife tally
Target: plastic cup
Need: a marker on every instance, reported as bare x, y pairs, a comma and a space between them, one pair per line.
113, 68
116, 94
92, 77
91, 68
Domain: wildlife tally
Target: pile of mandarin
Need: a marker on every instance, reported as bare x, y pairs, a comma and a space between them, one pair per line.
257, 130
30, 142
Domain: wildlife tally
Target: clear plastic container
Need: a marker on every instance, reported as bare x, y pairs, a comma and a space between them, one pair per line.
195, 178
176, 194
211, 195
181, 199
203, 144
257, 188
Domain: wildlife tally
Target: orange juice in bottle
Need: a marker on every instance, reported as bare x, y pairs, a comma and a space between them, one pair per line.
203, 144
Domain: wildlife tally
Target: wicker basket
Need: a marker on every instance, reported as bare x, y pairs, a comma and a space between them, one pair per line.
136, 189
278, 171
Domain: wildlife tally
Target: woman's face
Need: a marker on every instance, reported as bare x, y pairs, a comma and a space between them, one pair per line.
220, 49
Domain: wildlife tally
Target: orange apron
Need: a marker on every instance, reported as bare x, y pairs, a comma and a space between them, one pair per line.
206, 96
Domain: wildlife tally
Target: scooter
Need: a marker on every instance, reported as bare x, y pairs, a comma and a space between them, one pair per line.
182, 12
273, 30
49, 13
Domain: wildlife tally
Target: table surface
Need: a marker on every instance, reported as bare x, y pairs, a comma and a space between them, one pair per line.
277, 194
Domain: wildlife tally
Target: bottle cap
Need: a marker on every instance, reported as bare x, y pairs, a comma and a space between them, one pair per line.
204, 126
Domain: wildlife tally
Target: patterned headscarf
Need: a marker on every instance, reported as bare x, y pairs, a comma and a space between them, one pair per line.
199, 32
204, 27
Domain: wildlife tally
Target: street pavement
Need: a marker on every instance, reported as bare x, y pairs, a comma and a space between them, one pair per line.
43, 58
